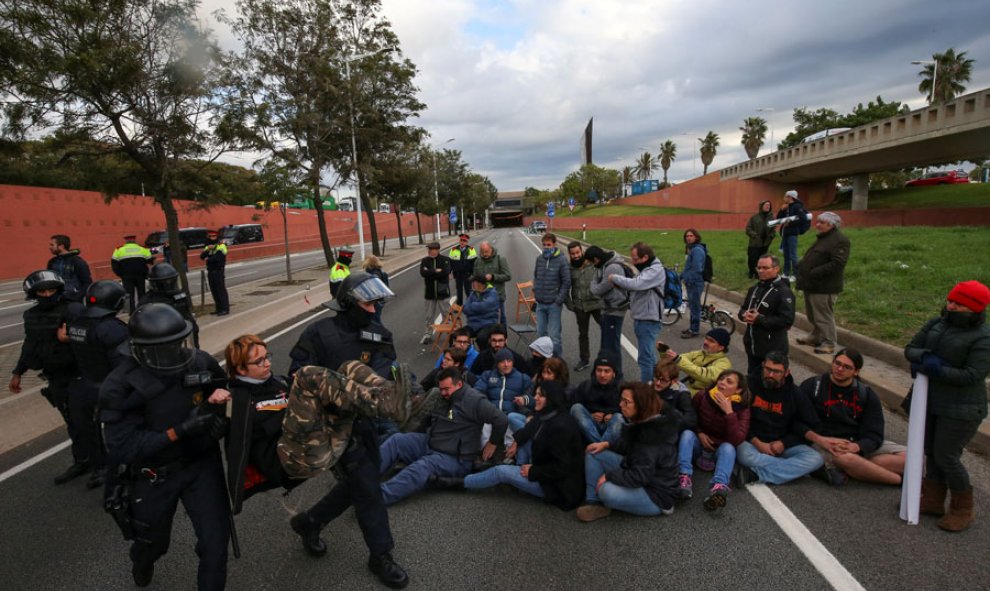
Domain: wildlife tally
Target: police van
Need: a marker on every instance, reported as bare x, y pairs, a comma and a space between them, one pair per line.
191, 237
241, 233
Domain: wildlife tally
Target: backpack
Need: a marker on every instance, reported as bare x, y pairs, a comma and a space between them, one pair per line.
708, 273
803, 223
673, 296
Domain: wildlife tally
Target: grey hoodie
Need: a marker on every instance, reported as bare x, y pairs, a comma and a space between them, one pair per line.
644, 290
615, 302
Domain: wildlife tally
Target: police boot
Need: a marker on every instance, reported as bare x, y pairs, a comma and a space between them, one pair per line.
74, 471
960, 515
387, 571
142, 574
309, 532
96, 479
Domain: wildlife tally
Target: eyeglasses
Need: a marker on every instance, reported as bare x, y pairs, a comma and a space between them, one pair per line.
842, 365
773, 371
259, 362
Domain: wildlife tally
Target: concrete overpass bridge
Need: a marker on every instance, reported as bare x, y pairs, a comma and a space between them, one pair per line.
955, 131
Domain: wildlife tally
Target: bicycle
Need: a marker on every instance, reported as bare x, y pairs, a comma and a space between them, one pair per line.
717, 318
670, 315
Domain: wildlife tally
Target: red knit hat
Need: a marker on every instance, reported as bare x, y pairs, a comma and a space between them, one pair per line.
972, 294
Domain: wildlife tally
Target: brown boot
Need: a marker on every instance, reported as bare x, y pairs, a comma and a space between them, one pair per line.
960, 514
932, 497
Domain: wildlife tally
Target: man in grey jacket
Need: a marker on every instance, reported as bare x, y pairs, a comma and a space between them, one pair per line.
551, 284
451, 443
615, 301
644, 292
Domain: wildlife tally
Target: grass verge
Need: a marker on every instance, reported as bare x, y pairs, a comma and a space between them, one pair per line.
971, 195
897, 277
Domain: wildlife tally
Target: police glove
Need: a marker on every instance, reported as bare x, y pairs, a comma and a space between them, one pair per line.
196, 425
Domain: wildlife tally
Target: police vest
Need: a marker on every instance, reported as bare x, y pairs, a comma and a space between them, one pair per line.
131, 251
455, 254
91, 355
41, 326
339, 272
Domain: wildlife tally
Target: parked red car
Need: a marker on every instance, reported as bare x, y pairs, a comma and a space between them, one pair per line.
943, 177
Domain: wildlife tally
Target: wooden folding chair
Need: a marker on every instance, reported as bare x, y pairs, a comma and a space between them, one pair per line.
442, 331
525, 300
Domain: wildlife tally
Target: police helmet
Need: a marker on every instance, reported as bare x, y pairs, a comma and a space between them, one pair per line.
164, 278
40, 280
359, 287
160, 338
103, 298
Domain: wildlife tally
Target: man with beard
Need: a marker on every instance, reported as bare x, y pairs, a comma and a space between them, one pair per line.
768, 311
585, 304
774, 451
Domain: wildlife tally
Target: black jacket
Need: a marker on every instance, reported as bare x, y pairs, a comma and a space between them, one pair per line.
74, 271
680, 402
256, 417
486, 361
853, 412
596, 397
437, 284
774, 301
779, 413
329, 342
822, 268
558, 457
41, 349
650, 458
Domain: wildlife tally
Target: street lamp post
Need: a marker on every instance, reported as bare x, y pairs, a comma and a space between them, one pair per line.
694, 151
934, 64
436, 184
773, 147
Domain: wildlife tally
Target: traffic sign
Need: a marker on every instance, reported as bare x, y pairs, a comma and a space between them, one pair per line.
453, 214
570, 204
550, 209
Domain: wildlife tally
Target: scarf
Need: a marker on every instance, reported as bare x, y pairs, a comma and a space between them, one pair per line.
735, 398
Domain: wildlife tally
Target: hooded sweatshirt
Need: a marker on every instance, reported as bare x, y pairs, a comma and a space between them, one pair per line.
760, 235
615, 301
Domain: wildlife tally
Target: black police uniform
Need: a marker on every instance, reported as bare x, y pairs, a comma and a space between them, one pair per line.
144, 413
95, 336
329, 343
42, 351
179, 300
216, 264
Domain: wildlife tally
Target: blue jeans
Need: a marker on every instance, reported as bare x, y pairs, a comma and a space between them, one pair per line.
503, 475
689, 448
421, 462
524, 453
694, 291
789, 245
612, 333
613, 496
595, 431
647, 332
794, 463
548, 324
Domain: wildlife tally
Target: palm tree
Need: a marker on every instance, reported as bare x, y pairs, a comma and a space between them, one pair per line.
628, 174
754, 134
709, 146
668, 153
953, 70
645, 166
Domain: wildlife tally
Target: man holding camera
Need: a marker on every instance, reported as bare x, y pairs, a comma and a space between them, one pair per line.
768, 311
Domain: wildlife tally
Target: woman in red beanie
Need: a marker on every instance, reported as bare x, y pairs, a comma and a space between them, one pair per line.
954, 352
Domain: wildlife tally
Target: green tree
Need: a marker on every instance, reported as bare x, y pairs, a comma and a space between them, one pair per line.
953, 69
645, 165
809, 122
138, 79
754, 134
709, 147
668, 153
628, 174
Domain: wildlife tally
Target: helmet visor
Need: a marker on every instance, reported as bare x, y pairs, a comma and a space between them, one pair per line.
372, 290
165, 358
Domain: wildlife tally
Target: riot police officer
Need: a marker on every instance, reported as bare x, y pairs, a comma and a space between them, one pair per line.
163, 281
43, 351
156, 421
353, 334
95, 336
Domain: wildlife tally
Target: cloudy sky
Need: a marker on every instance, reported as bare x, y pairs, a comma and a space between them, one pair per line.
515, 81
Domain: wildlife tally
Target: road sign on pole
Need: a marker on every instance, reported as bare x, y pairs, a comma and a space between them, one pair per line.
550, 210
570, 204
453, 215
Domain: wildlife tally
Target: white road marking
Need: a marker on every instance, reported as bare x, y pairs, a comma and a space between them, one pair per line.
21, 305
816, 552
38, 458
11, 325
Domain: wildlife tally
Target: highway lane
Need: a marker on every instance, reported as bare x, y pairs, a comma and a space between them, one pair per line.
503, 539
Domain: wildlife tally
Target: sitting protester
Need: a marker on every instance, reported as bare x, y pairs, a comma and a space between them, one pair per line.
596, 402
461, 339
505, 386
541, 349
704, 366
675, 395
452, 357
723, 421
497, 340
848, 430
554, 370
638, 474
482, 305
550, 453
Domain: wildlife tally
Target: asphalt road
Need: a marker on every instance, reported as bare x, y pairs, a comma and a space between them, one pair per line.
59, 538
